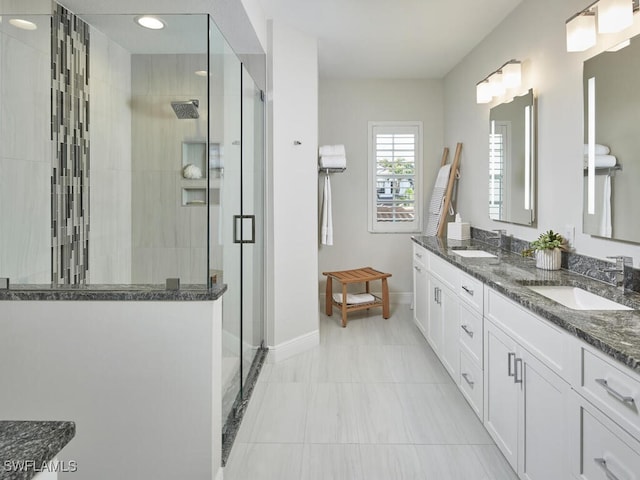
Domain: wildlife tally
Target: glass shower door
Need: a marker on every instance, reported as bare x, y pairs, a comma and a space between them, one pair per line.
225, 180
253, 223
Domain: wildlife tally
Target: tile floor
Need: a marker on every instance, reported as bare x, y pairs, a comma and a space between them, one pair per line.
371, 402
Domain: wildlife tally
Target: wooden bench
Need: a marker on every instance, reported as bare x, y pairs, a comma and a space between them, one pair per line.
359, 275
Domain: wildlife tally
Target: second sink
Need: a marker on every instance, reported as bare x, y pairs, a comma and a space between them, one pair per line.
577, 298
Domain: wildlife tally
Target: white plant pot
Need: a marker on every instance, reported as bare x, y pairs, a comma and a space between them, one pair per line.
549, 259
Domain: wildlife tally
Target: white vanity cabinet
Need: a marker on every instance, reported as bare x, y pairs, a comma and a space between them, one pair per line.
604, 420
420, 265
525, 399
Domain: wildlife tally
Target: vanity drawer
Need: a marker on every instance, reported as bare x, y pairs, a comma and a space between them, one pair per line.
605, 451
610, 388
471, 333
420, 256
444, 271
539, 336
471, 383
471, 291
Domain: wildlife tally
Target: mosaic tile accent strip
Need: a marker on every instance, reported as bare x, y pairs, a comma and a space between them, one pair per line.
70, 137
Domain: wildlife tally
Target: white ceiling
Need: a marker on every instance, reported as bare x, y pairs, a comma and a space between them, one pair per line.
391, 38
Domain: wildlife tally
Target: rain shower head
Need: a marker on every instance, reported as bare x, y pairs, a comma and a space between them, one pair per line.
186, 109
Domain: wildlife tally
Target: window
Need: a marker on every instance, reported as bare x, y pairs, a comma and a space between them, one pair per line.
395, 177
499, 152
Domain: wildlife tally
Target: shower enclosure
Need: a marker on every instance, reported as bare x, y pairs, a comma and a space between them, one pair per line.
155, 170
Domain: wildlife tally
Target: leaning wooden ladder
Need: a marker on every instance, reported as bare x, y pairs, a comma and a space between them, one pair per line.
439, 205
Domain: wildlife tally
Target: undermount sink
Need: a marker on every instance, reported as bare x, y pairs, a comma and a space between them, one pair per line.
577, 299
474, 254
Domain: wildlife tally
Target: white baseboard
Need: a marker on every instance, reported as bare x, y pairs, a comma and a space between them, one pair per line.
288, 349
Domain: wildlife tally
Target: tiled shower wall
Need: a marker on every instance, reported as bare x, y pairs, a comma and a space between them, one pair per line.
110, 179
25, 151
70, 137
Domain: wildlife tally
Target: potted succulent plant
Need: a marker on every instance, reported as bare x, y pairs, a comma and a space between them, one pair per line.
547, 250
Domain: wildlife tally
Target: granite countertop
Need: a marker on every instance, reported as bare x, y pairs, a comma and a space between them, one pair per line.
113, 292
614, 332
25, 447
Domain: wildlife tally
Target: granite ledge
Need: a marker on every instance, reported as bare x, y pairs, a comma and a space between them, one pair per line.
187, 293
25, 446
615, 333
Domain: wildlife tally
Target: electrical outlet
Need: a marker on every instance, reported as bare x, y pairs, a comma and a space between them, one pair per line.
569, 234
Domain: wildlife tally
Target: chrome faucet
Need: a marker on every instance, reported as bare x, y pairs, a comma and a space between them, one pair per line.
498, 236
622, 262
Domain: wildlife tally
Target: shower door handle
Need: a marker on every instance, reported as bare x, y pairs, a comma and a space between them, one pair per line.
239, 231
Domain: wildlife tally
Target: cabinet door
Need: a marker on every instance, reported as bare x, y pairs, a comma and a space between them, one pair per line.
543, 419
450, 354
501, 392
420, 299
434, 315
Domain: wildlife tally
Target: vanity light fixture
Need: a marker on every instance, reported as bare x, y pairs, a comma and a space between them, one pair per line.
150, 22
602, 16
614, 15
497, 83
23, 24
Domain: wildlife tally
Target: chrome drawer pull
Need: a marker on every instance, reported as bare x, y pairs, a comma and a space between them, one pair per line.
468, 290
418, 269
603, 463
467, 331
515, 372
509, 363
418, 255
623, 398
467, 378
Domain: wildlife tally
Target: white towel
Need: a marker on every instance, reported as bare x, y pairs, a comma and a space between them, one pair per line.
602, 161
600, 149
332, 150
605, 219
327, 220
354, 299
333, 161
437, 199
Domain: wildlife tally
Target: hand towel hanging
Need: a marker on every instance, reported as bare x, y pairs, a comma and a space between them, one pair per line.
327, 220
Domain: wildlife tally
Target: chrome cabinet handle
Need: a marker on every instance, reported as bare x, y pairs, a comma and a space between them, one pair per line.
418, 269
515, 370
467, 378
419, 255
468, 290
617, 395
510, 355
467, 331
603, 464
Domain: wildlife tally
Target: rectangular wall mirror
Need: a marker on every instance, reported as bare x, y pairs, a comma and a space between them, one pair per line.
611, 163
512, 161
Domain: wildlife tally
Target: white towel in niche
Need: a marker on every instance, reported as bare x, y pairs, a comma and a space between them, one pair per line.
327, 220
605, 219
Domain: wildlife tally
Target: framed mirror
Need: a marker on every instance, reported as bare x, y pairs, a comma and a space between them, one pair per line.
611, 159
512, 161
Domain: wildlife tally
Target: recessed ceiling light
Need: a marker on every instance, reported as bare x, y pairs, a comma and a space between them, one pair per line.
147, 21
23, 24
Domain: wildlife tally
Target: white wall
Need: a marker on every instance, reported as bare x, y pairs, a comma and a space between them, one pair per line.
140, 379
110, 174
292, 263
25, 152
345, 108
535, 34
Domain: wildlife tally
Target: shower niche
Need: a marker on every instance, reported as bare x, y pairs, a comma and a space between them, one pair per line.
193, 184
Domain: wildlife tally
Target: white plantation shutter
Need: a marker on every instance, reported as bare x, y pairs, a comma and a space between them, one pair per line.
395, 176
